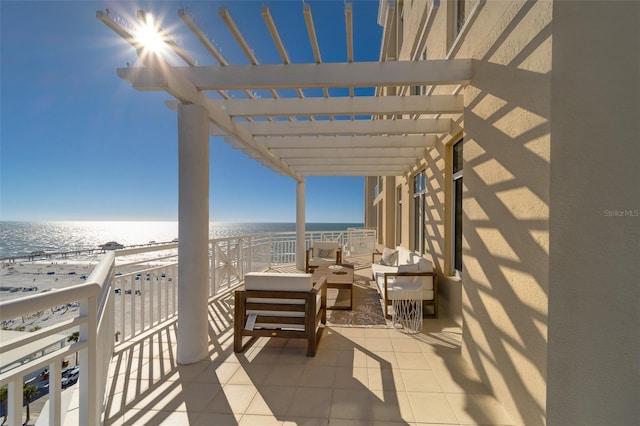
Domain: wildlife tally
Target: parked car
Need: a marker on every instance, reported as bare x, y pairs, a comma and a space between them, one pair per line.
70, 376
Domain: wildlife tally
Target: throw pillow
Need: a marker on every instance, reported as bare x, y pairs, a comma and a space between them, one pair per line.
389, 257
414, 267
326, 253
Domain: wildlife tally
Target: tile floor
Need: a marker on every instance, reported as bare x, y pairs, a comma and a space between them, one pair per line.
359, 376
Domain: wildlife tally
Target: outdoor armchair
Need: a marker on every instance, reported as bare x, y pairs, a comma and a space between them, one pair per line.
323, 253
285, 305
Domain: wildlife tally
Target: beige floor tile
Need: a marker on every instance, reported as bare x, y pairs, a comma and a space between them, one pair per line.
209, 419
305, 421
160, 417
352, 332
378, 344
391, 406
311, 402
405, 345
412, 361
332, 340
233, 399
351, 378
321, 376
431, 408
420, 381
385, 379
250, 374
197, 396
377, 333
259, 420
218, 374
160, 396
157, 369
349, 422
455, 375
473, 409
382, 360
352, 358
206, 372
284, 375
351, 404
272, 400
324, 356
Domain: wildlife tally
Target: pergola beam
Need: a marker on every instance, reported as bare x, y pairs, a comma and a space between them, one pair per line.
343, 127
361, 105
297, 162
400, 141
347, 171
291, 76
328, 153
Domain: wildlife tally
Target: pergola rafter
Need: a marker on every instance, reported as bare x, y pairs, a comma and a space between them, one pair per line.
361, 105
292, 135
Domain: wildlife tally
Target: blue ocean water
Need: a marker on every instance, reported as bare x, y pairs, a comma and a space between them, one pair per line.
20, 238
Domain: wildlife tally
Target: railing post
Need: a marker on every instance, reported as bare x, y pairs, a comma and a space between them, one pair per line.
250, 260
88, 379
55, 393
14, 402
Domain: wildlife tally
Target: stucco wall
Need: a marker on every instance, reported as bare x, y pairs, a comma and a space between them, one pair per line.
506, 204
594, 303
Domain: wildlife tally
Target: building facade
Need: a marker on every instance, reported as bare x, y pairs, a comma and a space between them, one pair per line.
529, 207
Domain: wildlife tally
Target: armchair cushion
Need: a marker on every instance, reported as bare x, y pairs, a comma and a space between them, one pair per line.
326, 253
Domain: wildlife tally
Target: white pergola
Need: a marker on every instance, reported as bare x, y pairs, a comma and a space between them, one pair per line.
300, 136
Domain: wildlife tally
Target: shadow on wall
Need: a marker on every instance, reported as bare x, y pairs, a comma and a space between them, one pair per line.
506, 212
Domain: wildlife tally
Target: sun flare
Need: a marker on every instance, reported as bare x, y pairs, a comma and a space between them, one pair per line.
149, 36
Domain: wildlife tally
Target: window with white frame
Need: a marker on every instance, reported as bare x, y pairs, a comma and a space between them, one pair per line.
419, 211
457, 205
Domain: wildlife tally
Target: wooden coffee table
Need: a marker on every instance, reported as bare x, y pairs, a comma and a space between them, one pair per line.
341, 281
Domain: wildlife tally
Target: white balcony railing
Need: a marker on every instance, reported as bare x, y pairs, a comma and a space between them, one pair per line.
95, 323
130, 292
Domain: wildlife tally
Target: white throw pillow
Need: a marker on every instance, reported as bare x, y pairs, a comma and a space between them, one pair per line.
389, 257
408, 268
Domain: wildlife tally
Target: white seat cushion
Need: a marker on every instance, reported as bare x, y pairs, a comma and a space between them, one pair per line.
273, 281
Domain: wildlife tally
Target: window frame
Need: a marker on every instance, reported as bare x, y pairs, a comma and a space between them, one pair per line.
457, 209
419, 210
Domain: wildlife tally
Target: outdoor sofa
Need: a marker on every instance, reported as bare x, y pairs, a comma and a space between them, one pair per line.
401, 265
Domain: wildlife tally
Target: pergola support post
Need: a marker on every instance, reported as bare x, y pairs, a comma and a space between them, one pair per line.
301, 247
193, 229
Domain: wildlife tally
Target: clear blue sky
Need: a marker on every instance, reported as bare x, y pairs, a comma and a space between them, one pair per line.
79, 143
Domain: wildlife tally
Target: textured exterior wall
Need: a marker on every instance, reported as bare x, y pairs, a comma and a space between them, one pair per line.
506, 204
551, 229
594, 299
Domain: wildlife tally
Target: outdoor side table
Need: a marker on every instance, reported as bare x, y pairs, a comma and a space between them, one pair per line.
407, 307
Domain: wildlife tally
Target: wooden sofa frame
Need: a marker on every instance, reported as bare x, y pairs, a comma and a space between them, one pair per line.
312, 332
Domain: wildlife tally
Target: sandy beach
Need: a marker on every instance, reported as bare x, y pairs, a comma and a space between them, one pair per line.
18, 280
